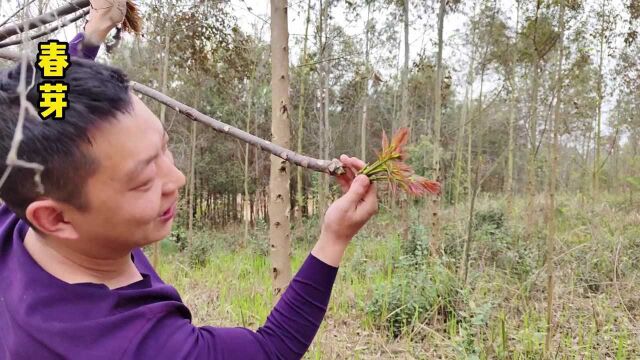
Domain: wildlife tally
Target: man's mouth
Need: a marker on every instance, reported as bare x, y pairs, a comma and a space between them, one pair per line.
169, 213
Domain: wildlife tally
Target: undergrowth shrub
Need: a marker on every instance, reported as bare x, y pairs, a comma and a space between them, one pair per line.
492, 218
412, 296
178, 236
415, 250
200, 250
419, 288
258, 240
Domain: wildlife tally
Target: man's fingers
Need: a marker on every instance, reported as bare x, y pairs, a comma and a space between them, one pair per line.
356, 163
369, 204
352, 162
344, 182
345, 179
357, 190
351, 166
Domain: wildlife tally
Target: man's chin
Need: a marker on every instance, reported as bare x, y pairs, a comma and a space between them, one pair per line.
159, 235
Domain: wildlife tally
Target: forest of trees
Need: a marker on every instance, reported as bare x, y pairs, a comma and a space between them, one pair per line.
499, 107
526, 111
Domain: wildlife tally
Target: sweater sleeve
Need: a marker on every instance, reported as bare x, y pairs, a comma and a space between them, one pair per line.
289, 329
296, 318
79, 48
287, 333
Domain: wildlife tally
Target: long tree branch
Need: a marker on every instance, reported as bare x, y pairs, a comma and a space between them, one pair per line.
12, 159
52, 29
9, 55
332, 167
5, 21
613, 146
44, 19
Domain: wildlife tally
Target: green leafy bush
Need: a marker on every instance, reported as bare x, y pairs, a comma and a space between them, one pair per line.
415, 250
411, 296
178, 236
199, 251
490, 219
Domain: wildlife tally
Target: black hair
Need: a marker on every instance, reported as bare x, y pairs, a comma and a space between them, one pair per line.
96, 94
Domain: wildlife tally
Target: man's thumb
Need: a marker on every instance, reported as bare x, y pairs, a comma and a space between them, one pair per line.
358, 188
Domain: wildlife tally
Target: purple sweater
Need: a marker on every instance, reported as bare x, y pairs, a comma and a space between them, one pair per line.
42, 317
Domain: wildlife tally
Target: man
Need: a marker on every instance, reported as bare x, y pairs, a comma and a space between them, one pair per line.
75, 284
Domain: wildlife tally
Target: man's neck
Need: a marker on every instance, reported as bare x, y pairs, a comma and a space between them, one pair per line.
73, 267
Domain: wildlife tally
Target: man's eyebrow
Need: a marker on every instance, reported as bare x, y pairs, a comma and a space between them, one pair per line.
142, 164
139, 166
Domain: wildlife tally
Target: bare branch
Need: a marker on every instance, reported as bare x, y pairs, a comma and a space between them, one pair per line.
9, 55
50, 30
44, 19
16, 13
12, 158
333, 167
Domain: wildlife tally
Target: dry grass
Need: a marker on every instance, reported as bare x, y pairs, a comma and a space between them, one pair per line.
499, 314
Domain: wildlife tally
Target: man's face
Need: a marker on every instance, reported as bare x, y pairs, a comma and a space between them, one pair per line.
132, 197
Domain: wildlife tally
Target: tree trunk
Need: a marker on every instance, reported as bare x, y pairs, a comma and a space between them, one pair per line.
464, 116
165, 71
533, 135
245, 198
511, 148
323, 194
437, 116
365, 100
457, 172
478, 134
551, 209
513, 104
163, 112
395, 119
595, 181
404, 110
192, 166
279, 197
533, 141
474, 184
234, 198
300, 203
466, 250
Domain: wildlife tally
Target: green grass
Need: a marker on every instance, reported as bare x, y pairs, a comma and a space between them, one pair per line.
498, 314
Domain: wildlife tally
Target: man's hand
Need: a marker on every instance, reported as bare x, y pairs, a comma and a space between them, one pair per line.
347, 215
103, 17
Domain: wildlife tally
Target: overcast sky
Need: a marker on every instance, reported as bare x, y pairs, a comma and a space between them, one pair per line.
254, 14
422, 31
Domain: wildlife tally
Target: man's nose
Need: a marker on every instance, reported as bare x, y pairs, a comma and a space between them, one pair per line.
174, 179
177, 181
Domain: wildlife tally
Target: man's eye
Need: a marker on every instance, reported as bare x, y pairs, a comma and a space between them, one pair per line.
145, 186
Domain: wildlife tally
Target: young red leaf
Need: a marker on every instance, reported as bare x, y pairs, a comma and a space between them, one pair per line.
390, 166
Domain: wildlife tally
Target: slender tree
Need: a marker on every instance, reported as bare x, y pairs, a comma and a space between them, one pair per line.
437, 116
462, 124
551, 209
304, 78
513, 105
279, 202
604, 30
163, 114
365, 100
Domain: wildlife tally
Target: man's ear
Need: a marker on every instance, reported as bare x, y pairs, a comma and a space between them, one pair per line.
48, 216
